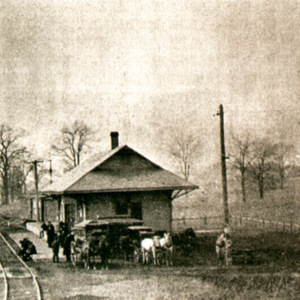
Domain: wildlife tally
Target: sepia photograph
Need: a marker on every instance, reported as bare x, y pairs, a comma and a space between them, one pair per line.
149, 149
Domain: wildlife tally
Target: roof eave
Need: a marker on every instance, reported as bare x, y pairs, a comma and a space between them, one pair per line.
147, 189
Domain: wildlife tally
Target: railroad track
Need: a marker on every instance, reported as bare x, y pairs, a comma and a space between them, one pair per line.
16, 279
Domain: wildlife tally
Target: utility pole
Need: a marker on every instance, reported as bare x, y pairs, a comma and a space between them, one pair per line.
223, 160
50, 171
36, 180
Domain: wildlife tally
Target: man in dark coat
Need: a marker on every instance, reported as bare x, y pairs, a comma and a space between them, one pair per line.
50, 234
55, 248
67, 246
61, 227
44, 228
27, 249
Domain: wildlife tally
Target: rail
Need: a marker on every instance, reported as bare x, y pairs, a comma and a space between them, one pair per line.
5, 282
39, 294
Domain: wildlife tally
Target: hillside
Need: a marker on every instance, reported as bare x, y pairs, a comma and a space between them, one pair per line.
278, 205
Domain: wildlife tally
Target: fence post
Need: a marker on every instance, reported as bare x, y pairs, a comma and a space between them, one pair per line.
205, 220
241, 221
283, 226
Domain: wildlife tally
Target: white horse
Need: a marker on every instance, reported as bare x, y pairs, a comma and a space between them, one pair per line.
166, 245
159, 248
149, 246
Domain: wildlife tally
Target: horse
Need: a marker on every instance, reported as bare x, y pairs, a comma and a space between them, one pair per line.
166, 244
185, 240
184, 237
149, 246
96, 246
160, 248
126, 247
104, 249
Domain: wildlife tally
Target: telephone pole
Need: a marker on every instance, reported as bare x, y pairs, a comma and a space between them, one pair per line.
36, 180
223, 161
50, 171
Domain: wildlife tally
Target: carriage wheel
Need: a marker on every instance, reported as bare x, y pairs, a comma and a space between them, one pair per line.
74, 259
136, 255
86, 264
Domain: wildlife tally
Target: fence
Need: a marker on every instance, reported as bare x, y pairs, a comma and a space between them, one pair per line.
200, 223
217, 223
264, 224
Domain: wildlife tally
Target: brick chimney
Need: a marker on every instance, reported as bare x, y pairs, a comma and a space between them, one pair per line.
114, 135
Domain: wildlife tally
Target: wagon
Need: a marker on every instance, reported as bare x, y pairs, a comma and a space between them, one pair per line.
92, 230
136, 235
163, 252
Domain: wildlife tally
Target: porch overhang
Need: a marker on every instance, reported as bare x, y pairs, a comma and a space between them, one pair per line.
116, 190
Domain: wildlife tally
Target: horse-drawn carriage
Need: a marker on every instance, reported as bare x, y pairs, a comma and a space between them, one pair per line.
107, 238
136, 234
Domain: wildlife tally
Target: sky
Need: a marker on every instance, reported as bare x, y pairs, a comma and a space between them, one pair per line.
150, 68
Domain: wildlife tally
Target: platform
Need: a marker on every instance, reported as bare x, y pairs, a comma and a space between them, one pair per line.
32, 233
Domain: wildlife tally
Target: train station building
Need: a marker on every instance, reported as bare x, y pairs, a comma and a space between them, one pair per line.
122, 183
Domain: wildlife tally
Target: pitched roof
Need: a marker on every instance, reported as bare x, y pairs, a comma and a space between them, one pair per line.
122, 169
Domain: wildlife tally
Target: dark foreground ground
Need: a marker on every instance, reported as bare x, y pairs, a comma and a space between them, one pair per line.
265, 266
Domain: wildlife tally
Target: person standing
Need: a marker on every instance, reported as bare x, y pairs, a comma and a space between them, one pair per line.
67, 246
44, 229
55, 248
50, 234
62, 228
223, 245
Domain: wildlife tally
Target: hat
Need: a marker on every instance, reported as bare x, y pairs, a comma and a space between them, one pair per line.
227, 230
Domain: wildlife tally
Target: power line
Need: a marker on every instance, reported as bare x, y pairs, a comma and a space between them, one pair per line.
263, 110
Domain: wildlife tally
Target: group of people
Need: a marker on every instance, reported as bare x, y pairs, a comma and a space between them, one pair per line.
62, 238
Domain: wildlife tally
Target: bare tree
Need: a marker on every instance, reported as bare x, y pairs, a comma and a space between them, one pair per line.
185, 147
283, 152
24, 172
72, 143
241, 158
19, 172
16, 182
10, 151
263, 160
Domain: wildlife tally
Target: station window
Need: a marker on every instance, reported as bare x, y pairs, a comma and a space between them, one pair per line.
122, 207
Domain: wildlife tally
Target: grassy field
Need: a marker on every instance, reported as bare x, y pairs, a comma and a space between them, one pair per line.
196, 274
277, 206
265, 265
128, 282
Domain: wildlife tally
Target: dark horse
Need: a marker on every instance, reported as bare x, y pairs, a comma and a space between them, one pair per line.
186, 240
99, 246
